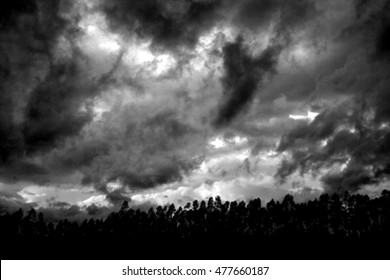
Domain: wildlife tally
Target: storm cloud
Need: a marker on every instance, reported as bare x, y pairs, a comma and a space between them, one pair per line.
47, 88
169, 24
242, 76
350, 140
155, 99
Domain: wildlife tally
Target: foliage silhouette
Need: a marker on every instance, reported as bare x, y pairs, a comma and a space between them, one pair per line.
331, 227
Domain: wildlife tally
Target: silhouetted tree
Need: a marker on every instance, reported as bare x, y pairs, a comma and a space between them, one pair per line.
328, 219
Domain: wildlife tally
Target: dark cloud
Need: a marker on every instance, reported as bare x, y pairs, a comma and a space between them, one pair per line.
61, 105
245, 72
60, 204
353, 146
28, 33
256, 14
56, 214
57, 111
25, 39
284, 15
117, 197
350, 179
383, 40
169, 24
138, 154
96, 211
373, 25
322, 127
46, 84
174, 24
62, 210
17, 170
348, 144
309, 152
242, 75
12, 202
55, 108
57, 211
169, 172
11, 12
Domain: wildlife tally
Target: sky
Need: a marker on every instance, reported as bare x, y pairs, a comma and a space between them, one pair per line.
159, 102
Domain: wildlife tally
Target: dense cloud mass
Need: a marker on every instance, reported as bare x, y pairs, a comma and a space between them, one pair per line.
40, 93
168, 101
169, 24
351, 139
242, 75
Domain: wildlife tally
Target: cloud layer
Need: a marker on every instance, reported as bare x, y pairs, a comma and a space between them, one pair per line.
140, 100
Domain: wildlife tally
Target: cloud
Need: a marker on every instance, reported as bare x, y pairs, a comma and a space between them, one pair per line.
241, 78
346, 144
138, 97
239, 188
168, 24
350, 179
245, 72
374, 21
49, 89
94, 201
11, 205
136, 154
285, 15
343, 142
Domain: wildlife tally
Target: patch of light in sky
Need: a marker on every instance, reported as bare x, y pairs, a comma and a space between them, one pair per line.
384, 126
43, 195
238, 140
219, 142
271, 156
208, 42
91, 29
163, 64
344, 165
346, 127
98, 36
242, 155
301, 53
203, 168
310, 116
112, 186
239, 188
99, 109
139, 54
271, 153
98, 200
30, 196
228, 158
110, 46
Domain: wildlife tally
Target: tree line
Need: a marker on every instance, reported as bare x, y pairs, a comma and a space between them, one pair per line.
277, 229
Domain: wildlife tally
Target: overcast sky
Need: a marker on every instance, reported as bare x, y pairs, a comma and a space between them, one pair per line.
169, 101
